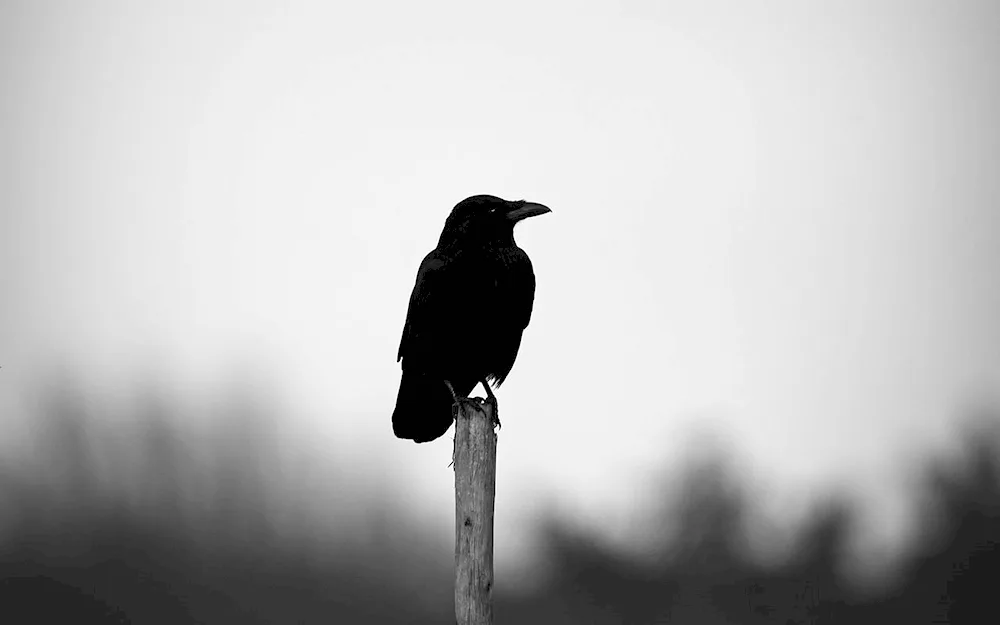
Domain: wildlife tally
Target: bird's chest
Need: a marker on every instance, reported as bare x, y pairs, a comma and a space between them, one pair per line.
494, 273
487, 292
500, 293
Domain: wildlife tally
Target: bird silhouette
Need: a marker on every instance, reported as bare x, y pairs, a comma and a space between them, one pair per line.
471, 302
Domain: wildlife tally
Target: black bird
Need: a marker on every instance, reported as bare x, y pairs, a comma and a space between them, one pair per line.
470, 304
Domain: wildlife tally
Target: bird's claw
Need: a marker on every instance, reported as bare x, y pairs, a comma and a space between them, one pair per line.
496, 412
477, 403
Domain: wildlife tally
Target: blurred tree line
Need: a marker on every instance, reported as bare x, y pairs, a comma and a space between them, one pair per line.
72, 551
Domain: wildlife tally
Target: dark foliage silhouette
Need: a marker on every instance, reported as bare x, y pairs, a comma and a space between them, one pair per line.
702, 577
71, 551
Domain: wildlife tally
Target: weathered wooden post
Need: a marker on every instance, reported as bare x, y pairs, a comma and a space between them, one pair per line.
475, 489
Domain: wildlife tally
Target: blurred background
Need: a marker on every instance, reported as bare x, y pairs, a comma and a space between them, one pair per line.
762, 377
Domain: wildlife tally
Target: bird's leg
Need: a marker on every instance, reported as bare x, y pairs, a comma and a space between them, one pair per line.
454, 440
492, 399
489, 392
456, 408
458, 401
451, 389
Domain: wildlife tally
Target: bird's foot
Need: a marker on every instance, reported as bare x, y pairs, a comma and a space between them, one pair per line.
492, 401
475, 402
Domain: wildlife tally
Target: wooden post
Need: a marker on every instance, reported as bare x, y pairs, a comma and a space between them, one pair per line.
475, 488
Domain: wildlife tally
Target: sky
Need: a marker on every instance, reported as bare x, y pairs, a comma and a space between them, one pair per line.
776, 222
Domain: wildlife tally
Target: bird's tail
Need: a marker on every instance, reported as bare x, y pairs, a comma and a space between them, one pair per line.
423, 407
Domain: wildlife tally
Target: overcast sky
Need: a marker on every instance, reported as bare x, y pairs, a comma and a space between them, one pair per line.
776, 220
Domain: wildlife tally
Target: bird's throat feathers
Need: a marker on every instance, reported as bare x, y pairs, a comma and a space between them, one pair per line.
475, 234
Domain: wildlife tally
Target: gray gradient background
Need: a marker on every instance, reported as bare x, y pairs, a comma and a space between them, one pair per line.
776, 222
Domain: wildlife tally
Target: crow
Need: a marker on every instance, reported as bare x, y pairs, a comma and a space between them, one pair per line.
471, 302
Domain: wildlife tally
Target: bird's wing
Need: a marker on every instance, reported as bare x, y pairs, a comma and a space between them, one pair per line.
430, 302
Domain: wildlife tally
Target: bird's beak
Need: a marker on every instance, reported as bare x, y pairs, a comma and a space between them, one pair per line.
528, 209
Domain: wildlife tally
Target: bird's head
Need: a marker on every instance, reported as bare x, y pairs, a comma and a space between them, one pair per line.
487, 219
